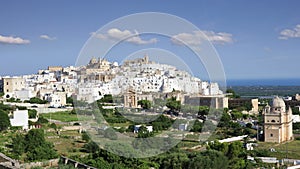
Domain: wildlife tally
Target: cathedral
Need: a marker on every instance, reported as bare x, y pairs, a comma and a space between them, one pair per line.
278, 126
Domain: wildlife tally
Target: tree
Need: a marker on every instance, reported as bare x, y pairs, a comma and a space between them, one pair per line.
110, 134
295, 110
36, 100
69, 100
85, 137
173, 104
143, 132
216, 145
249, 125
12, 99
37, 148
203, 110
224, 121
208, 159
18, 145
32, 113
236, 115
234, 149
296, 126
197, 127
34, 145
53, 125
106, 99
233, 94
145, 104
42, 120
91, 147
4, 120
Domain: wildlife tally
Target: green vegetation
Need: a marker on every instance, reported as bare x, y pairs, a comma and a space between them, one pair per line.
233, 94
289, 149
4, 120
145, 104
34, 145
79, 146
144, 133
266, 90
106, 99
5, 108
217, 156
36, 100
32, 113
295, 111
70, 101
85, 137
12, 99
173, 104
199, 110
63, 116
91, 147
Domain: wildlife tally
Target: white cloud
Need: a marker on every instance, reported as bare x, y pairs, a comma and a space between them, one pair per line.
290, 33
47, 37
13, 40
117, 35
196, 38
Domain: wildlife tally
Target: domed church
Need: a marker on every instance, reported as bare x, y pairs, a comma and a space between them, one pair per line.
278, 125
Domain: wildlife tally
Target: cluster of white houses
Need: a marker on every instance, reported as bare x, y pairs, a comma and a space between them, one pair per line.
99, 77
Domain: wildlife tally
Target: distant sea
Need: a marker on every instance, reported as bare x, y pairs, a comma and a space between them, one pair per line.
263, 82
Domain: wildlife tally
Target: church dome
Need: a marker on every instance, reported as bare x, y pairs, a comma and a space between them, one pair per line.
278, 102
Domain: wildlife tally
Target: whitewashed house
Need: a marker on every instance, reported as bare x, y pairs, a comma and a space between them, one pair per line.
20, 119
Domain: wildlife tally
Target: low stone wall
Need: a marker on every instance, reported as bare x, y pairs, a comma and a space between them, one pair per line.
41, 108
7, 162
76, 164
49, 163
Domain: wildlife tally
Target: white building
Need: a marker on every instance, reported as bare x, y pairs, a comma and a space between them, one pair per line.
296, 118
20, 119
137, 127
57, 99
183, 127
24, 94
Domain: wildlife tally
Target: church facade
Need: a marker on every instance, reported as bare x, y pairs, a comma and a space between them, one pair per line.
278, 126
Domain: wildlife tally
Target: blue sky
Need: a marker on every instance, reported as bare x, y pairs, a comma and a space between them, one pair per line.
262, 42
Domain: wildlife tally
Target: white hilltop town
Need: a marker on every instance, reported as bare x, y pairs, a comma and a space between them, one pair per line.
50, 91
140, 77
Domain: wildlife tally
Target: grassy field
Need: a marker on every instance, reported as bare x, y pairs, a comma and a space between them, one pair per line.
63, 116
292, 148
68, 143
5, 138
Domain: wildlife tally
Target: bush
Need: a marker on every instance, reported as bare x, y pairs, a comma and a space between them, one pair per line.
32, 113
91, 147
4, 120
53, 125
42, 120
35, 100
13, 100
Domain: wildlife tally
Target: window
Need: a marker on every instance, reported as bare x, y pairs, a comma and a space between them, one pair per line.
273, 121
271, 135
6, 83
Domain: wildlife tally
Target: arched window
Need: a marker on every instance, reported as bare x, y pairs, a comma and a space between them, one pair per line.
271, 135
273, 121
